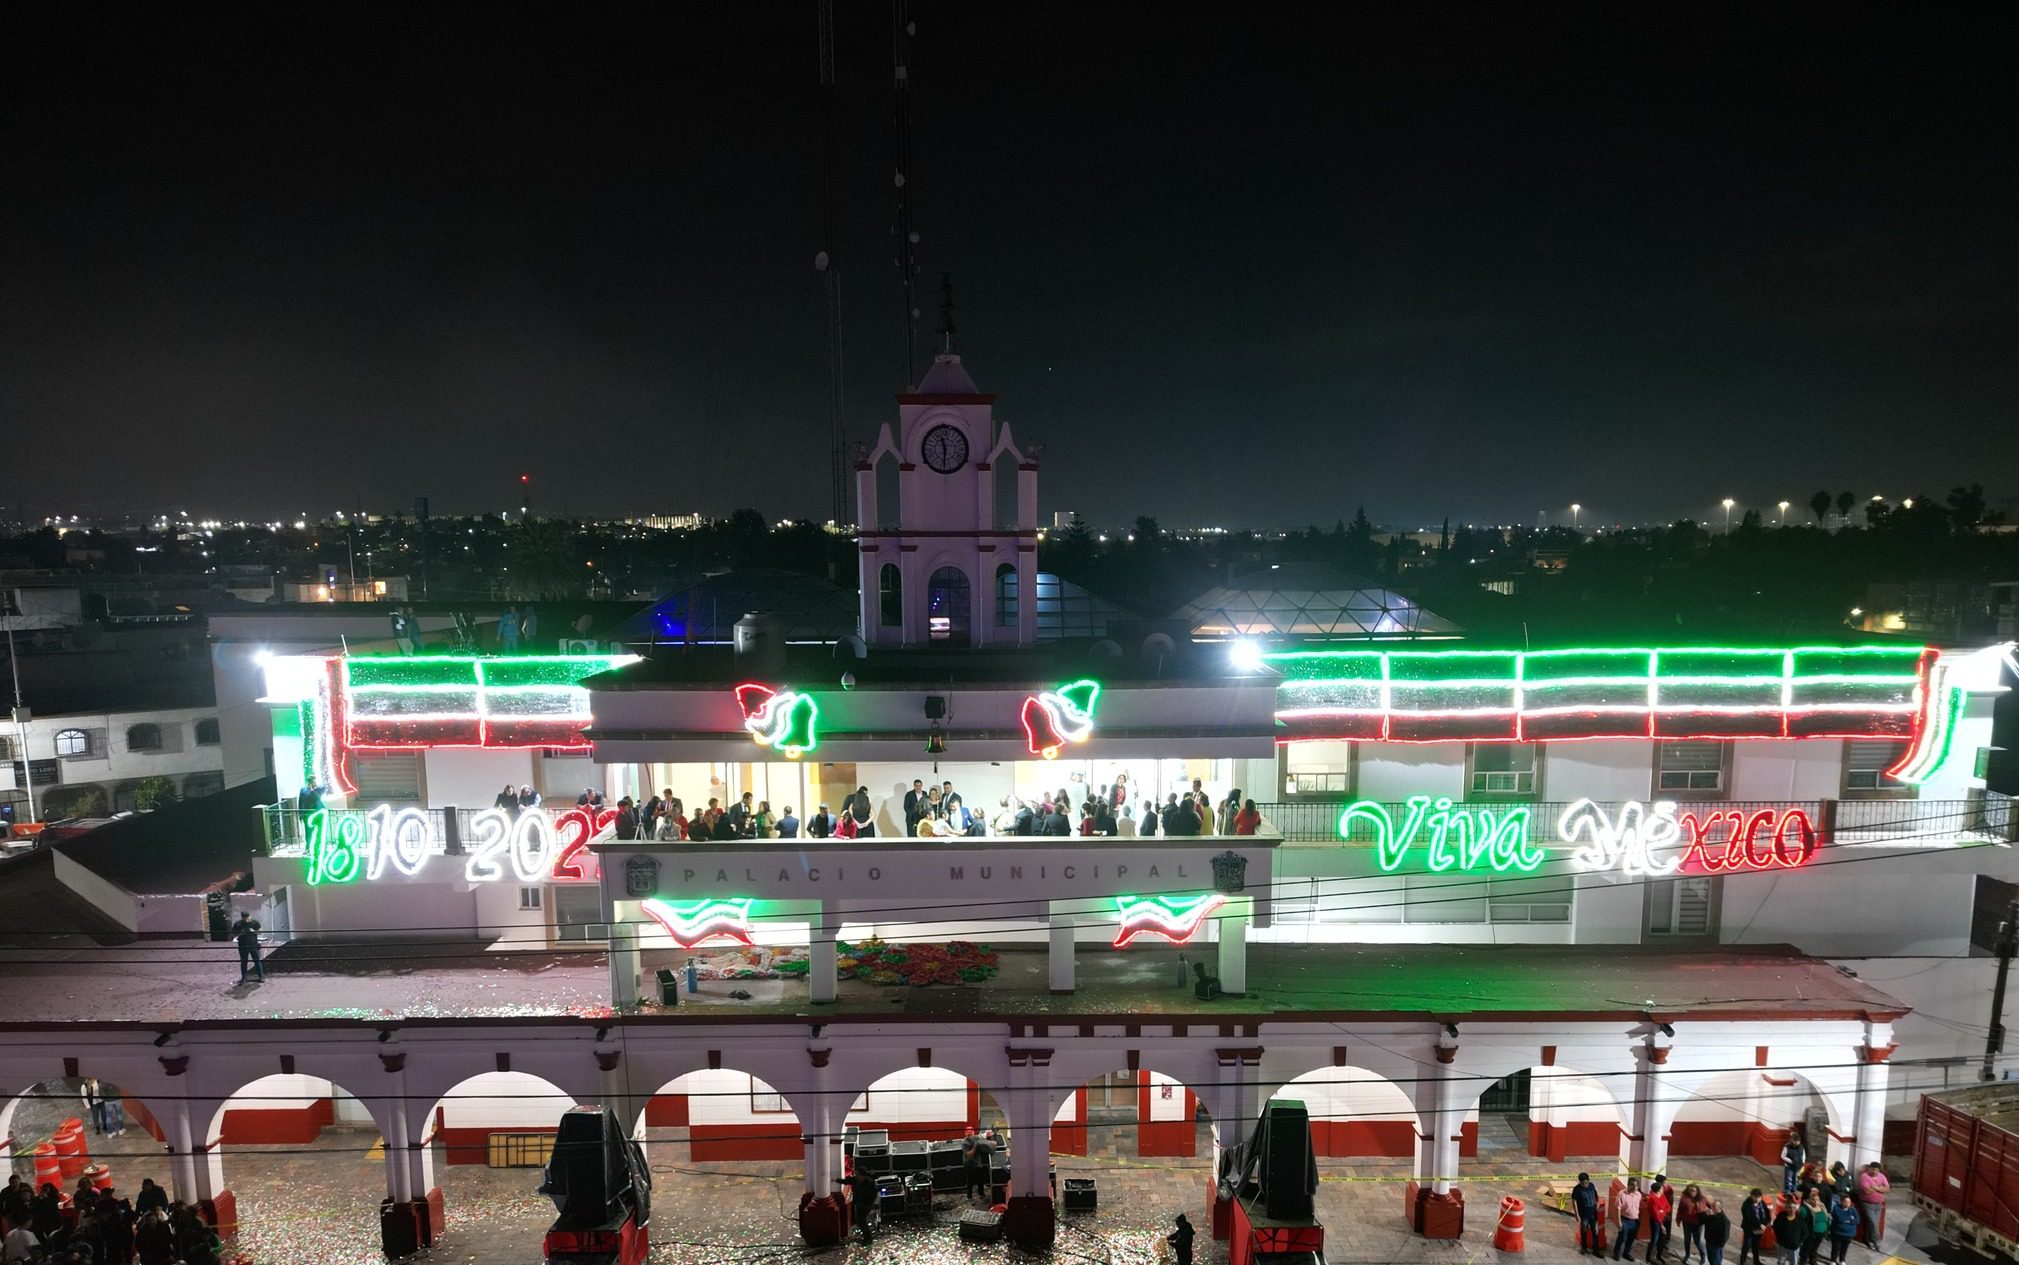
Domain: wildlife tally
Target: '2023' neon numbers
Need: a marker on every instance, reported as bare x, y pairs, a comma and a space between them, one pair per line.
344, 847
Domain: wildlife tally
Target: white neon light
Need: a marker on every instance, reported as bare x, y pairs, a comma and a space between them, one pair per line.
1640, 841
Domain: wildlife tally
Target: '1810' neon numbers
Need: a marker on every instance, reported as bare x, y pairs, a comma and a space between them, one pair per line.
344, 847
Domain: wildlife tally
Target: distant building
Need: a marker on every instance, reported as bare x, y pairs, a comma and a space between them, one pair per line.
93, 763
668, 522
392, 588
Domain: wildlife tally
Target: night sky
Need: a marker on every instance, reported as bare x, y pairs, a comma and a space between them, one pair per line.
1255, 265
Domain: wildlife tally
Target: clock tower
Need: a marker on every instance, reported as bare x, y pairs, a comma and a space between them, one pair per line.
947, 513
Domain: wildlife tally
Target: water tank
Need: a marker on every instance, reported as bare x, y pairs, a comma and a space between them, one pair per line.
760, 646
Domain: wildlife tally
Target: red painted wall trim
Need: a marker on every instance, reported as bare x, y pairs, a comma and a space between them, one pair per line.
666, 1111
754, 1141
1350, 1139
245, 1126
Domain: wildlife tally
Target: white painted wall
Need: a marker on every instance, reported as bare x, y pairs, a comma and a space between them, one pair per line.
1600, 770
1349, 1093
1794, 770
723, 1096
503, 1100
1393, 771
289, 1091
467, 777
913, 1094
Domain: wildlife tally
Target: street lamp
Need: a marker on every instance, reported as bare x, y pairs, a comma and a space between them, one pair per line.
1784, 514
1575, 510
1728, 514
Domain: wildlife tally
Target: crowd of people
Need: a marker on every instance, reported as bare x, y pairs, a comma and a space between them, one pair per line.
101, 1227
1822, 1207
936, 812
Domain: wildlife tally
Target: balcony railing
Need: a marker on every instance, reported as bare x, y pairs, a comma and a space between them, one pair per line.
1907, 822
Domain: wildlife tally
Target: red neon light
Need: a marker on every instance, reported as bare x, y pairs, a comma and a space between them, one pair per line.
339, 756
1927, 700
586, 825
752, 697
1040, 735
1742, 844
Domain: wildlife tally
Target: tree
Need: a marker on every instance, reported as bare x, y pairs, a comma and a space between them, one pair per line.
73, 801
152, 792
1966, 507
1845, 500
1819, 505
1149, 535
541, 561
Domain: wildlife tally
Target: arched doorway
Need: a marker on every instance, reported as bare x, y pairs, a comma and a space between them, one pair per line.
316, 1194
487, 1140
711, 1136
121, 1134
1149, 1146
1750, 1114
948, 605
1548, 1112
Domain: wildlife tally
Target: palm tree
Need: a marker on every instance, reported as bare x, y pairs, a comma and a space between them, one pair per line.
1819, 505
541, 562
1845, 500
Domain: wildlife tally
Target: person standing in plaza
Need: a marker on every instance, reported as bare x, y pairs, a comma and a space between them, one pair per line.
245, 933
1790, 1228
1816, 1215
862, 1202
1716, 1228
1180, 1240
1793, 1156
1754, 1218
1843, 1228
1584, 1203
1689, 1214
1629, 1220
1872, 1187
1656, 1210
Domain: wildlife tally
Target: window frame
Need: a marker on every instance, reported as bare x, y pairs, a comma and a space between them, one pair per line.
1668, 889
531, 900
1286, 779
142, 730
890, 595
82, 741
208, 725
1723, 789
1474, 793
1880, 789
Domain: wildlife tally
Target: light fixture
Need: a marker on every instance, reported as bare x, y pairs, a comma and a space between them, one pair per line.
1245, 654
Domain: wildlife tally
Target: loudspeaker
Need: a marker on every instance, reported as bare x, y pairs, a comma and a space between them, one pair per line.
1289, 1176
1080, 1194
399, 1232
980, 1227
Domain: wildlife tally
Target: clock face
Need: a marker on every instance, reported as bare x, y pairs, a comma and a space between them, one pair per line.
945, 449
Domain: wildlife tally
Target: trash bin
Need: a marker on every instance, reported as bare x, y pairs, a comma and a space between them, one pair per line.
669, 988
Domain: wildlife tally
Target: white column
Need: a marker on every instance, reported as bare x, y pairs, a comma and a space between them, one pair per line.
823, 977
1062, 959
1030, 1122
1873, 1074
181, 1161
1233, 924
399, 1169
623, 965
1653, 1109
1443, 1124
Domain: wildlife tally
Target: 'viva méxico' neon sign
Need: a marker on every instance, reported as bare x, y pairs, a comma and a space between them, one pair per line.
1634, 839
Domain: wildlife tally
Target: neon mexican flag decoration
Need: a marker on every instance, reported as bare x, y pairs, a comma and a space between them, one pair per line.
694, 921
784, 720
1174, 918
1055, 717
1870, 691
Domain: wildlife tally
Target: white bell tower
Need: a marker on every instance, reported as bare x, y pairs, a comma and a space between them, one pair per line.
947, 509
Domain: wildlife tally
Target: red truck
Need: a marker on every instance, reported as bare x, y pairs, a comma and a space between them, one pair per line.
1966, 1167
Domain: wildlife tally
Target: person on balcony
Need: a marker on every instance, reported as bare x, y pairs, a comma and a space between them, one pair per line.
788, 825
822, 825
1249, 820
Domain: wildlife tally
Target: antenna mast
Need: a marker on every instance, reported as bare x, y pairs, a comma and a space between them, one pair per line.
907, 237
824, 260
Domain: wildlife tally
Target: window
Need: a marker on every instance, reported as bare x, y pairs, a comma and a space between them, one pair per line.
1502, 768
1865, 763
1690, 767
6, 748
73, 742
1682, 907
1318, 769
1005, 596
382, 777
1529, 899
529, 898
946, 605
206, 732
1443, 898
198, 785
143, 737
890, 596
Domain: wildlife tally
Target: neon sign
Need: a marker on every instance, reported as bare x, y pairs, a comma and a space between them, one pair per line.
347, 703
1545, 695
784, 720
1461, 836
1056, 717
345, 847
692, 922
1634, 839
1174, 918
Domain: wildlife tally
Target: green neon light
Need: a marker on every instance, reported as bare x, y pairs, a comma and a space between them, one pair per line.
1461, 838
1174, 918
336, 846
692, 922
784, 720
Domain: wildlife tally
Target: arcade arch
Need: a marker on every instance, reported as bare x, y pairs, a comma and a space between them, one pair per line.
1750, 1112
322, 1200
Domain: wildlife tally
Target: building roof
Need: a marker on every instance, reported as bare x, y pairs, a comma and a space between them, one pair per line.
807, 607
710, 666
947, 377
1310, 600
